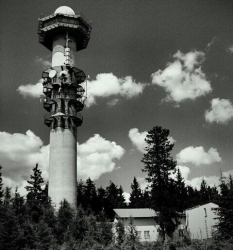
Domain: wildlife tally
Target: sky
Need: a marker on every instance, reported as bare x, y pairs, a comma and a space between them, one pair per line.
150, 63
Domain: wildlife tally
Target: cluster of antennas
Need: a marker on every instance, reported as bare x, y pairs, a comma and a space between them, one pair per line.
64, 96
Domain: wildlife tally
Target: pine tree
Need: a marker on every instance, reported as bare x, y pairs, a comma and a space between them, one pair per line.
121, 203
158, 164
36, 193
7, 196
101, 196
65, 218
1, 185
80, 193
37, 196
112, 193
136, 200
181, 192
9, 226
204, 192
225, 210
90, 197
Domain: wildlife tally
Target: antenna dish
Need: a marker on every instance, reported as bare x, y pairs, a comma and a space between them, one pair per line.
52, 73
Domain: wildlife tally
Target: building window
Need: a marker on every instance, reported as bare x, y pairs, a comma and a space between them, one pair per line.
139, 233
147, 234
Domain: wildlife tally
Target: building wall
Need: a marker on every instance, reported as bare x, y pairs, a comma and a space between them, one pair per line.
146, 228
200, 221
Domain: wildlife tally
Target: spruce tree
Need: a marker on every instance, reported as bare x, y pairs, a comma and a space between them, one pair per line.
136, 197
36, 197
1, 185
121, 203
90, 196
225, 211
158, 164
181, 192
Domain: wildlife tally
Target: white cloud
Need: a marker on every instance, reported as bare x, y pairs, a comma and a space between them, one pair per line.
185, 171
138, 139
113, 102
196, 182
171, 139
43, 62
33, 90
96, 156
142, 182
221, 111
198, 156
107, 84
210, 180
127, 196
183, 79
19, 153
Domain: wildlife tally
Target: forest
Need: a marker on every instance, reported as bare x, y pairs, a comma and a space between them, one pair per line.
32, 223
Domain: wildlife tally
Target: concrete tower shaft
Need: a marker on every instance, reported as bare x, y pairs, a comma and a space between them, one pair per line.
63, 33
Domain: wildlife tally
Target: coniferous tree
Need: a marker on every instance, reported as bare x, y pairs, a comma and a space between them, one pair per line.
35, 190
1, 185
204, 193
112, 200
90, 196
225, 211
136, 196
181, 192
36, 197
80, 193
121, 203
158, 164
101, 196
146, 199
7, 196
65, 219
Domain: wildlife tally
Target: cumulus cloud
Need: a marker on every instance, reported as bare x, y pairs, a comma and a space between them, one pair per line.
138, 139
113, 102
126, 196
142, 182
96, 156
43, 62
210, 180
19, 153
171, 139
185, 171
183, 79
198, 156
33, 90
107, 84
221, 111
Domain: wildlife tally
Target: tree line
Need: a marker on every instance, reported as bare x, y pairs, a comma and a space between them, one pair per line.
32, 223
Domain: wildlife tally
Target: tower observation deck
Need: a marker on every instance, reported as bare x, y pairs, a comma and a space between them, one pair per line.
63, 33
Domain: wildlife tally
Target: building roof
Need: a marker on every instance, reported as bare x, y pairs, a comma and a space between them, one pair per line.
134, 212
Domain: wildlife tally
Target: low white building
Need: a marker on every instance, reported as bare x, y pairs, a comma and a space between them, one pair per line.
200, 221
144, 221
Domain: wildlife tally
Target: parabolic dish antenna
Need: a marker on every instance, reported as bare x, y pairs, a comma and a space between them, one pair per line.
52, 73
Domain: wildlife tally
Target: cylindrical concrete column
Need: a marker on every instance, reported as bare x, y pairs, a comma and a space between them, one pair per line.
62, 166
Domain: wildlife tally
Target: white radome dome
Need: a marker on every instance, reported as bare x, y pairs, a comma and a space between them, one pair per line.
64, 10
